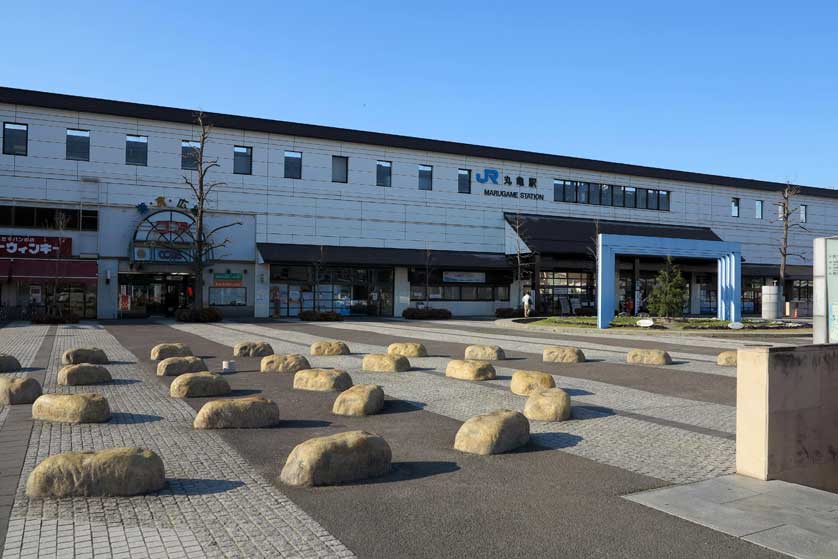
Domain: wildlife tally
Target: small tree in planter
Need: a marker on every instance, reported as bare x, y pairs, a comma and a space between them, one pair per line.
670, 291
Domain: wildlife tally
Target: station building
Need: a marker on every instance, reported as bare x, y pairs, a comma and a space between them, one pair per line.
362, 223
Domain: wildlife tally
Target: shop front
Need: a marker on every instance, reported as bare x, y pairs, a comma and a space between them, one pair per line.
348, 291
142, 295
39, 274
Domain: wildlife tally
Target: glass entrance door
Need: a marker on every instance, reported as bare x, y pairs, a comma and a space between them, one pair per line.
143, 295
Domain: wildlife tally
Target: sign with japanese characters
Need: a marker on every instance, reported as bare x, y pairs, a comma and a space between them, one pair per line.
493, 176
32, 246
227, 280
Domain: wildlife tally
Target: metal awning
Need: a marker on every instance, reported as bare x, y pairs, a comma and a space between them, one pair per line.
282, 253
575, 236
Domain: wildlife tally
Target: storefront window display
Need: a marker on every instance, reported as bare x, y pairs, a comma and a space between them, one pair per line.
346, 291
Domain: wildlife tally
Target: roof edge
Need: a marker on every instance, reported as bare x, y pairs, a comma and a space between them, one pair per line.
62, 101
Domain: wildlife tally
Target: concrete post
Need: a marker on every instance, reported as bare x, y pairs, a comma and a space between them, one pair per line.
787, 414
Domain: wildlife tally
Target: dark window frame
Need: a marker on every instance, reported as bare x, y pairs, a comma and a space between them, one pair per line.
291, 155
460, 174
735, 206
249, 152
429, 169
189, 153
127, 151
345, 160
387, 166
6, 143
67, 136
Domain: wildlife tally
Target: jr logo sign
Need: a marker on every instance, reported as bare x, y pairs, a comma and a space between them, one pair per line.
488, 175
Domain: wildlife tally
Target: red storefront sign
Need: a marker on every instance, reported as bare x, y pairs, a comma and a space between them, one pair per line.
32, 246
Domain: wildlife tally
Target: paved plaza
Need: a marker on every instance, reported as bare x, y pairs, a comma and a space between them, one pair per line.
593, 486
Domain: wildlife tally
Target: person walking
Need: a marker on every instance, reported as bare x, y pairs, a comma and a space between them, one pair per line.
526, 300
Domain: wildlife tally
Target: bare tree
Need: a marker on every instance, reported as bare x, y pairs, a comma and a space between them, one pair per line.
202, 246
318, 267
60, 223
428, 258
524, 258
785, 212
593, 251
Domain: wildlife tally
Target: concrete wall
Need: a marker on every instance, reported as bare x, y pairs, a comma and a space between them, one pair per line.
787, 414
314, 210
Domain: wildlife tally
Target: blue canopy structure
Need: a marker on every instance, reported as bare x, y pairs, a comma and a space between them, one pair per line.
728, 256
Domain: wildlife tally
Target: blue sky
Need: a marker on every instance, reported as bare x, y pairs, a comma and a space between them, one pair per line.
734, 88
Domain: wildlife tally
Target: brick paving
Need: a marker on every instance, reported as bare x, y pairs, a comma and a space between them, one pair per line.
673, 439
215, 504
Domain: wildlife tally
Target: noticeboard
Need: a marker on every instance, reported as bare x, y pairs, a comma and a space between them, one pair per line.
832, 289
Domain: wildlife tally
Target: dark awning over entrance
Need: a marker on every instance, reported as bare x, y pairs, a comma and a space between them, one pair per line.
574, 236
276, 253
25, 269
793, 272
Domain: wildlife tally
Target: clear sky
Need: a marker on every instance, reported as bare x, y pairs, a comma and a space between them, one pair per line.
746, 89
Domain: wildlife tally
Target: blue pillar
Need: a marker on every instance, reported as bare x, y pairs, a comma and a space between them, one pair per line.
606, 285
721, 293
736, 287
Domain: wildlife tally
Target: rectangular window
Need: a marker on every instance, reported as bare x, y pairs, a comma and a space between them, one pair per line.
451, 292
758, 209
340, 169
242, 160
558, 190
642, 198
663, 200
228, 296
617, 196
293, 165
15, 138
24, 216
630, 199
569, 191
89, 220
484, 293
468, 293
464, 181
804, 217
6, 216
189, 155
426, 177
78, 145
136, 150
594, 193
582, 192
383, 173
502, 294
734, 207
652, 199
605, 194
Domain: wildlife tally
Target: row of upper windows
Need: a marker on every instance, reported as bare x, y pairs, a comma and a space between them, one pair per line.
579, 192
15, 142
759, 210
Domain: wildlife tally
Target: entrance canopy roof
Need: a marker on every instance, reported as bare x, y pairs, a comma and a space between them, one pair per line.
281, 253
571, 235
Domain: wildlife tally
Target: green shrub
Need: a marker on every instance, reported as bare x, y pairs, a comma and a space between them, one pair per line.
412, 313
320, 316
207, 314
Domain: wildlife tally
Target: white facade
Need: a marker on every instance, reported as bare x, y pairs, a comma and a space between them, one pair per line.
314, 210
